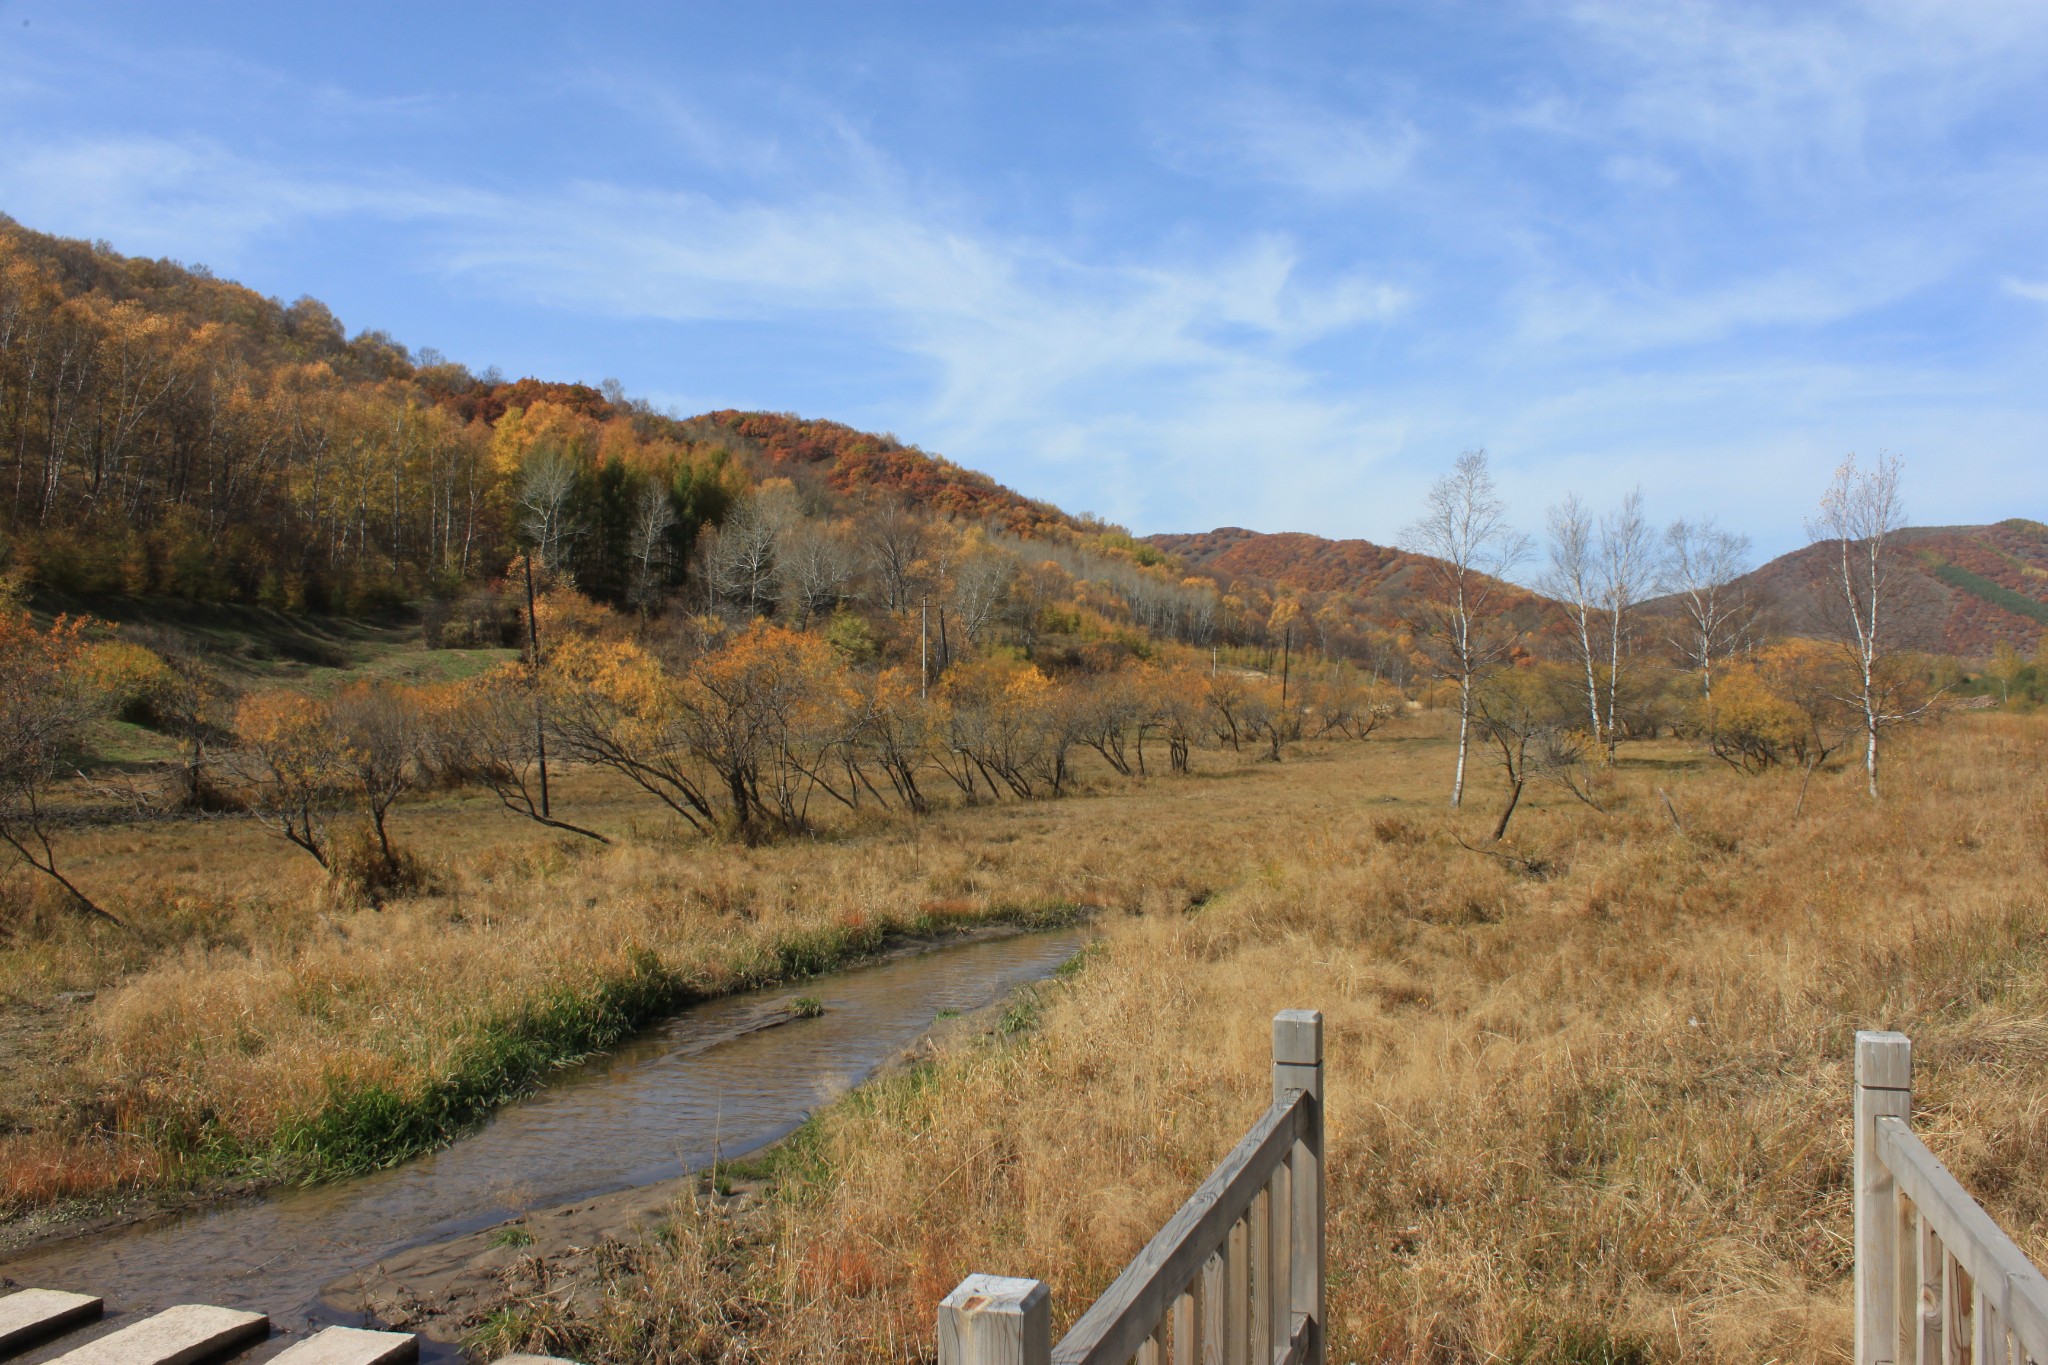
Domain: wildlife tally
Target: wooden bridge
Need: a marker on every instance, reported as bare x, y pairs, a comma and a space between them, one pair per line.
1236, 1277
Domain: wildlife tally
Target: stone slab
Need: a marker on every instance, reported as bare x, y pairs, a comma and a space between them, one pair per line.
351, 1346
179, 1335
29, 1315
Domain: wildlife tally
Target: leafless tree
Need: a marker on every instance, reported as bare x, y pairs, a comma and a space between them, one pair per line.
739, 560
1470, 546
1701, 565
817, 563
895, 543
1570, 579
1627, 567
544, 488
654, 516
1861, 515
980, 582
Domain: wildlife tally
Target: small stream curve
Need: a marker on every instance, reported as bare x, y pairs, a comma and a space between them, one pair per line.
707, 1084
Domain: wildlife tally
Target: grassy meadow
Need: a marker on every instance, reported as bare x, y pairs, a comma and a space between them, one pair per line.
1588, 1102
1596, 1113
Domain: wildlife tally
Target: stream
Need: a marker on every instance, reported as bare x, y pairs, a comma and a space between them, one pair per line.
697, 1088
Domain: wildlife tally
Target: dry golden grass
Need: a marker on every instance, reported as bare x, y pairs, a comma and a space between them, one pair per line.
250, 992
1601, 1116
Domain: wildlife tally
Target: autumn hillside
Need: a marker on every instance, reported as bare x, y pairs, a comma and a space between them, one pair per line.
1376, 583
1963, 590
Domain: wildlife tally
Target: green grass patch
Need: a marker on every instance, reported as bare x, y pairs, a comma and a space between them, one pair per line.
1998, 595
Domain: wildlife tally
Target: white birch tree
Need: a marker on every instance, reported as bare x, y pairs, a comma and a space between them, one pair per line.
1860, 515
1469, 545
1699, 570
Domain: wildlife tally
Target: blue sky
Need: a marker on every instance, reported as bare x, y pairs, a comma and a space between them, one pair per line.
1184, 266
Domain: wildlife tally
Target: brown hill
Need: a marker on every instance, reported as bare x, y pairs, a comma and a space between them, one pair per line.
1962, 590
1376, 582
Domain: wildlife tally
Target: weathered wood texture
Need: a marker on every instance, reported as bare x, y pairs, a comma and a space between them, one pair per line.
351, 1346
29, 1315
1938, 1282
176, 1336
1235, 1277
994, 1320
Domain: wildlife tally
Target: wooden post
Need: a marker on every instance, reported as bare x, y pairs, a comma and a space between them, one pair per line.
1884, 1089
1298, 1066
990, 1320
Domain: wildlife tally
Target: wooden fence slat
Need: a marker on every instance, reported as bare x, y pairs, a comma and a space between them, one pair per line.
1259, 1233
1186, 1350
1280, 1284
1237, 1293
1209, 1316
1906, 1280
1931, 1254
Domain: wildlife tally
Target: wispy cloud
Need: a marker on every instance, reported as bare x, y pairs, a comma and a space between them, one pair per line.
1262, 137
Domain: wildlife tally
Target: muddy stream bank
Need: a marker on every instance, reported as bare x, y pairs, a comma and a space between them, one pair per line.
718, 1081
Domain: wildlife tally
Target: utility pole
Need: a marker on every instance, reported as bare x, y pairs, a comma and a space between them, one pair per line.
1286, 655
540, 724
924, 651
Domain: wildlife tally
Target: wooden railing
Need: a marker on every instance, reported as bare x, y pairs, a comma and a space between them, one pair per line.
1937, 1282
1234, 1278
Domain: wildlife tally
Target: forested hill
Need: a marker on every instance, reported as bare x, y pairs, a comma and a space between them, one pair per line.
1377, 581
165, 432
1961, 590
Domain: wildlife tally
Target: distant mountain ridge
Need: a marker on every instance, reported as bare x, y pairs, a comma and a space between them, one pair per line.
1962, 590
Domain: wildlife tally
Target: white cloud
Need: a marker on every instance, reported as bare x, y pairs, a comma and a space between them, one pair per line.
2037, 290
1264, 137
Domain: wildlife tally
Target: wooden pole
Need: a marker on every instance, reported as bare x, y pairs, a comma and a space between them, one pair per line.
540, 725
992, 1320
1298, 1066
924, 650
1884, 1089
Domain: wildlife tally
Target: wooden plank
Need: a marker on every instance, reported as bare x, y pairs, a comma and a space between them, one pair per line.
1259, 1234
1906, 1280
1279, 1252
1926, 1293
29, 1315
993, 1320
1884, 1079
350, 1346
1988, 1347
1237, 1294
1153, 1351
1970, 1235
1958, 1327
1309, 1229
177, 1336
1187, 1349
1110, 1331
1209, 1310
